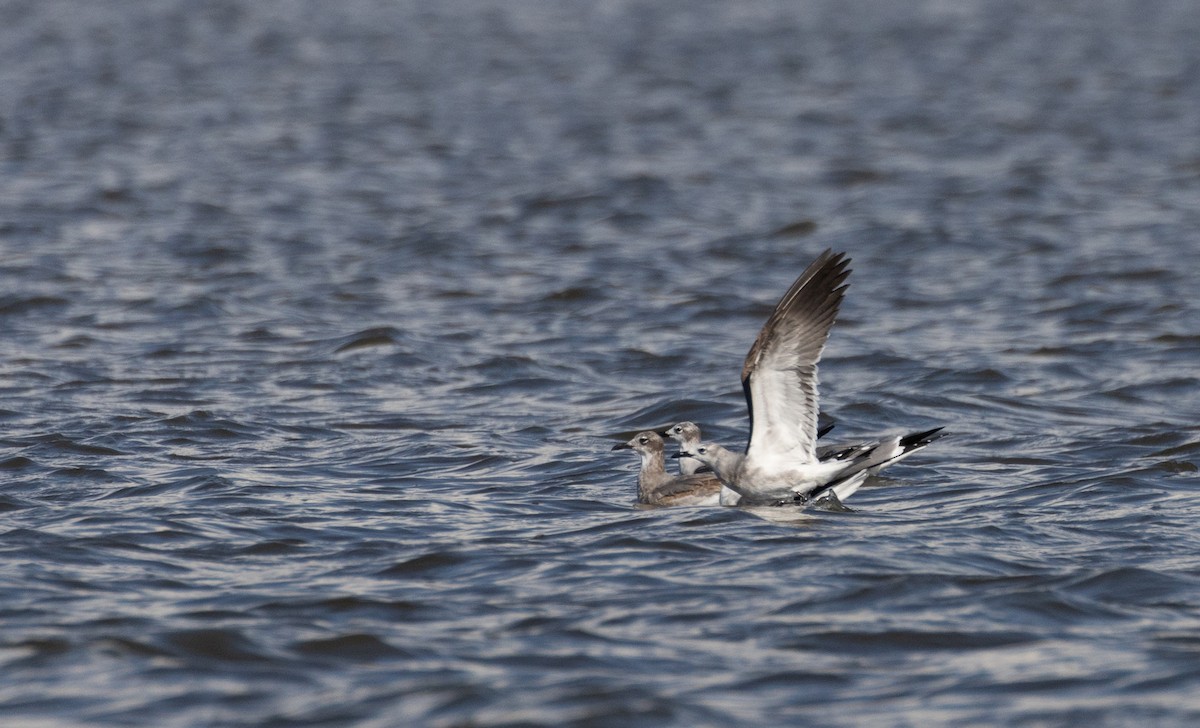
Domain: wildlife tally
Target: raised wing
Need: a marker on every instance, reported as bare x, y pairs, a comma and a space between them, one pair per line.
779, 376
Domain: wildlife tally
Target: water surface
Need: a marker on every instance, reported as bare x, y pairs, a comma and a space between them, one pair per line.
317, 324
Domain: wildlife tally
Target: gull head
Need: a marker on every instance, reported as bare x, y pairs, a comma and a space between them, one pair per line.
707, 453
683, 432
644, 443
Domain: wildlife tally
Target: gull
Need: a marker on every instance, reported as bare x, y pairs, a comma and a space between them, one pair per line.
657, 487
779, 378
869, 456
687, 434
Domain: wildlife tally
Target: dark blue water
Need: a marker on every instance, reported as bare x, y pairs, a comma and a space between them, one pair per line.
318, 321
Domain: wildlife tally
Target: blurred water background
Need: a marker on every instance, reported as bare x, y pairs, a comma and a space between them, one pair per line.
318, 321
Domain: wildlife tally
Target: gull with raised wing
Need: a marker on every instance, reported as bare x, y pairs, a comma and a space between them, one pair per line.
658, 487
779, 378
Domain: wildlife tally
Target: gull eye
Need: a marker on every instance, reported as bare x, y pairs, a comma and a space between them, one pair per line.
643, 440
678, 429
702, 450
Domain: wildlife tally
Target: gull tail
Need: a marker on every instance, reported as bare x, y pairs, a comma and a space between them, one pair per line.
831, 496
849, 486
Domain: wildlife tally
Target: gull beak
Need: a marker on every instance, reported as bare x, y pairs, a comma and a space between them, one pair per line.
664, 433
682, 454
622, 446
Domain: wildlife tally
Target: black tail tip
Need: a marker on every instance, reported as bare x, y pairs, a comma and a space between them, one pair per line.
919, 439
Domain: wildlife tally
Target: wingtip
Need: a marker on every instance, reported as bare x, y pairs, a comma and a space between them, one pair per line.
820, 288
921, 439
838, 259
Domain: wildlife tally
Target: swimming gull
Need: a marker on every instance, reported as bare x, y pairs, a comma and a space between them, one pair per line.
687, 434
658, 487
779, 379
869, 456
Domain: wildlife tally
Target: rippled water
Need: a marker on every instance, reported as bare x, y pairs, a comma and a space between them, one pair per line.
318, 322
